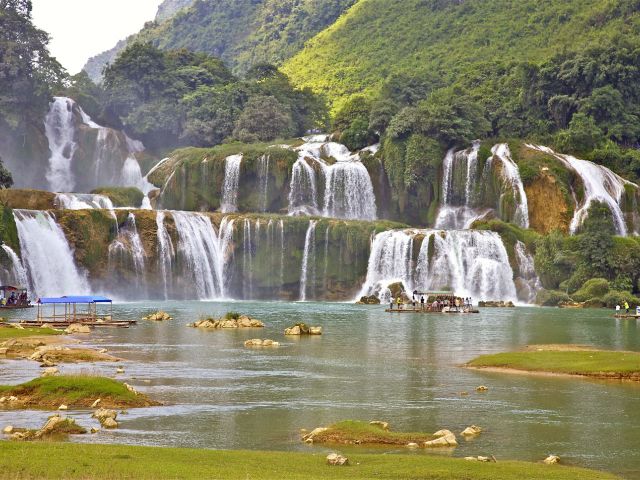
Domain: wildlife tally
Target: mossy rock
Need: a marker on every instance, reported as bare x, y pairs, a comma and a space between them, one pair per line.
122, 196
27, 199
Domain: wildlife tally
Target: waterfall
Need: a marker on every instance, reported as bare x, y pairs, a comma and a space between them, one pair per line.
469, 263
18, 270
166, 253
200, 250
600, 185
349, 192
511, 177
326, 258
60, 131
530, 283
458, 209
308, 256
231, 184
48, 258
247, 260
303, 191
83, 201
128, 246
464, 188
389, 262
263, 175
282, 252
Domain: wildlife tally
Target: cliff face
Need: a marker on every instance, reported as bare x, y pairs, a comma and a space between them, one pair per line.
169, 8
548, 209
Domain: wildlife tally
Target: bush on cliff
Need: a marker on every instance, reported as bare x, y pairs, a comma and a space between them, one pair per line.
593, 288
551, 298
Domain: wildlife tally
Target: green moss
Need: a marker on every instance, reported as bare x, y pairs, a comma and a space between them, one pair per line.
353, 432
122, 196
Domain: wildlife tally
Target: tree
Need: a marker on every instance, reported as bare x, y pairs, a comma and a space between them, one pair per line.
596, 241
582, 135
6, 179
262, 119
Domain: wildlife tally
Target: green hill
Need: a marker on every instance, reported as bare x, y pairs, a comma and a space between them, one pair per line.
466, 42
241, 32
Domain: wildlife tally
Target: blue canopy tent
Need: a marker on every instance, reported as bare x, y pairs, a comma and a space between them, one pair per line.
73, 309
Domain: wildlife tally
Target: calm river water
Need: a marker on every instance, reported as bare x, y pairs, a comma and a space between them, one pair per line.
368, 365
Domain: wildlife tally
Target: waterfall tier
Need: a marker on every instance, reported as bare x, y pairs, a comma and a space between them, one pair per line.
469, 263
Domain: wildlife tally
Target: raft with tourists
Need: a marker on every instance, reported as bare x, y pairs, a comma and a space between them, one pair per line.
431, 302
12, 298
90, 310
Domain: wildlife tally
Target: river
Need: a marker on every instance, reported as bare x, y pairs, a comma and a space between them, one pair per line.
367, 365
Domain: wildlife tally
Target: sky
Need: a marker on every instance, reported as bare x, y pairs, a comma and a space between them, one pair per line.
80, 29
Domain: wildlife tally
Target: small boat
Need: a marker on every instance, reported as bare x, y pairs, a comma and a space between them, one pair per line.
14, 298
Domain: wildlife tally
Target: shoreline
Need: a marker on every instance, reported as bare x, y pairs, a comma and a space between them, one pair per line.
635, 378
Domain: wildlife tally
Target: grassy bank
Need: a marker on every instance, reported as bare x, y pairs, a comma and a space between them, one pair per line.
591, 363
9, 332
28, 461
78, 391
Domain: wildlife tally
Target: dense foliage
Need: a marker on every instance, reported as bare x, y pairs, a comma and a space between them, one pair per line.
241, 32
173, 98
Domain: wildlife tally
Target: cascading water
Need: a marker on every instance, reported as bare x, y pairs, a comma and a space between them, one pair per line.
47, 256
199, 250
527, 276
18, 270
83, 201
308, 257
166, 253
458, 209
231, 184
600, 185
263, 172
247, 260
303, 191
127, 246
512, 180
349, 192
470, 263
60, 130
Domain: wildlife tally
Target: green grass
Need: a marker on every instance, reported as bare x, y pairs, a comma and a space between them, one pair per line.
76, 391
591, 363
356, 432
28, 461
122, 196
7, 333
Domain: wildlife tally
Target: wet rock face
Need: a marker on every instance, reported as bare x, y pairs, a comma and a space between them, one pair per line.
548, 209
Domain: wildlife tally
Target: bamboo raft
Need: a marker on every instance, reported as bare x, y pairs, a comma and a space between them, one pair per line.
420, 310
626, 315
65, 323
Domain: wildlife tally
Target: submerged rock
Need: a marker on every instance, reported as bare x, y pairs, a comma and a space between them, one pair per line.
496, 304
158, 316
471, 431
303, 329
241, 322
256, 342
383, 425
445, 438
482, 388
368, 300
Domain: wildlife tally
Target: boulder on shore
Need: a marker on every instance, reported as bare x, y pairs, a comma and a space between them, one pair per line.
551, 460
77, 328
106, 417
337, 460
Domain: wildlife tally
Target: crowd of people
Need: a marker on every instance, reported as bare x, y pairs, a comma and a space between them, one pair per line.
434, 303
16, 300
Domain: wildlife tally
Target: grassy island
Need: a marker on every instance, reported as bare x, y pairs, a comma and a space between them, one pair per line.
352, 432
577, 361
7, 333
33, 460
79, 391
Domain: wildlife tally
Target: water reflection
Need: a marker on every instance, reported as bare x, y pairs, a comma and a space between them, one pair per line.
367, 365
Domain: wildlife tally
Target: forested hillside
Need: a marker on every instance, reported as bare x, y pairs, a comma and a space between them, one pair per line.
241, 32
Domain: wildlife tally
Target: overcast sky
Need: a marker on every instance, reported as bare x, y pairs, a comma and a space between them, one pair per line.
80, 29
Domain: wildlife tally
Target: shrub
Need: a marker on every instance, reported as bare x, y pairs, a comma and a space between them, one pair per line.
593, 288
551, 298
232, 316
617, 297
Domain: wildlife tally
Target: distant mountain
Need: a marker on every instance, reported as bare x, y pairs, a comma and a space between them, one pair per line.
241, 32
451, 41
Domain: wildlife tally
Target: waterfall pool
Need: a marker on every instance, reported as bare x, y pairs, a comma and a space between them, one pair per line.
367, 365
